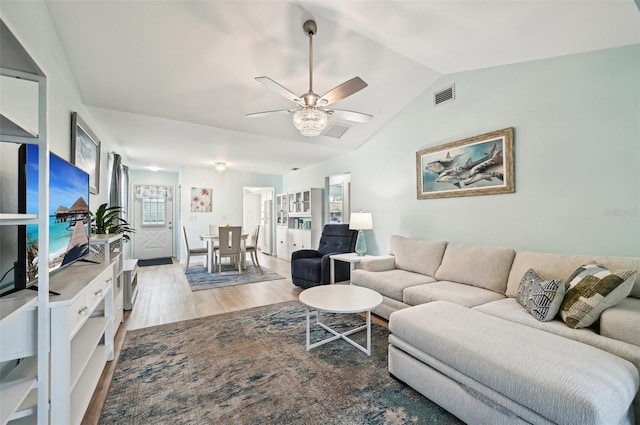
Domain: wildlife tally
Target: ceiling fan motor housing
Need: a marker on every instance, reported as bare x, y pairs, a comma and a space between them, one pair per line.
310, 27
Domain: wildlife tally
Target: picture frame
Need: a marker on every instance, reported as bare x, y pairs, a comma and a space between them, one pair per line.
478, 165
85, 151
201, 199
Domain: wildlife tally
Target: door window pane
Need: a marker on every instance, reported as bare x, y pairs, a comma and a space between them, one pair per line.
153, 212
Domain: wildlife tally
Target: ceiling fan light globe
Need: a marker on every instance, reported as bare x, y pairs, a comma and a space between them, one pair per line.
310, 121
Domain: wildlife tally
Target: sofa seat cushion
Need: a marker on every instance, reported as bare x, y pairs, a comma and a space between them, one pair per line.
419, 256
509, 309
560, 379
484, 267
622, 322
389, 283
458, 293
561, 266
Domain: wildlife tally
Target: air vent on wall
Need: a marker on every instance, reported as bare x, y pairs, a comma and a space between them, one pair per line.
444, 95
336, 130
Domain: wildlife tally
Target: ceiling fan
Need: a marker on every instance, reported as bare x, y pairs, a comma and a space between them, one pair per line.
311, 115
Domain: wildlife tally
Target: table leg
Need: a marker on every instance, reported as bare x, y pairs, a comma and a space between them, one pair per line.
210, 257
368, 333
333, 271
308, 332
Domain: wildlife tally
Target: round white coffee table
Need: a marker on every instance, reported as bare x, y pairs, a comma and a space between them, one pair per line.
340, 299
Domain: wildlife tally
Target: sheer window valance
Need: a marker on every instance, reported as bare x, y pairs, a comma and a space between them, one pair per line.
153, 192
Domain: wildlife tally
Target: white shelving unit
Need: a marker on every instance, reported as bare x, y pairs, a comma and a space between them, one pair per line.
300, 221
24, 316
82, 331
107, 249
130, 283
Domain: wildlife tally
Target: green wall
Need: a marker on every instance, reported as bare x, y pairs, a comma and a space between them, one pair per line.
577, 158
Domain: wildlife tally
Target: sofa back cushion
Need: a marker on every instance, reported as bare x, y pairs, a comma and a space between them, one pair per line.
416, 255
484, 267
561, 266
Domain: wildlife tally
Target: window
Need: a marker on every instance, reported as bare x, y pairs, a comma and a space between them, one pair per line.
153, 212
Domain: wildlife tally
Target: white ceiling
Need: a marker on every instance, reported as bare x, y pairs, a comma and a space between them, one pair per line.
171, 81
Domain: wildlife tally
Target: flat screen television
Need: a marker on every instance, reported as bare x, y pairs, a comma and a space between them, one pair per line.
69, 218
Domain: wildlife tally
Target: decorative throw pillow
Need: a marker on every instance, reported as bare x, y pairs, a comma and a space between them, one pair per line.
539, 296
590, 290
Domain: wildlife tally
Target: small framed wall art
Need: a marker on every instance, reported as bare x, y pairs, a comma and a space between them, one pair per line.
200, 199
85, 151
479, 165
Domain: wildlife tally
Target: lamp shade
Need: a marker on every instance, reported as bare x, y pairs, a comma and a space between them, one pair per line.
220, 166
361, 221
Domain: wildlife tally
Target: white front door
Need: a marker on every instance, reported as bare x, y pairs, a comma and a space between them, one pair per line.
154, 228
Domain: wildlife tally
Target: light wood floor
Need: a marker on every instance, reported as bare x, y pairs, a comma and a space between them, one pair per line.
164, 296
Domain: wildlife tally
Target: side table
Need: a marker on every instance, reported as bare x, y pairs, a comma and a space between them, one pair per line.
130, 274
351, 257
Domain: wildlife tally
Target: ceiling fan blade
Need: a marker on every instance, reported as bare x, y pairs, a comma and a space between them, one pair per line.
261, 114
350, 115
345, 89
281, 90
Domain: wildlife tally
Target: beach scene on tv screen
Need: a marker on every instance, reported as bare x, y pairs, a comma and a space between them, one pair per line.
68, 212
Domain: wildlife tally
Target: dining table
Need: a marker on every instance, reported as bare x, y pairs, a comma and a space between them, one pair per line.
211, 240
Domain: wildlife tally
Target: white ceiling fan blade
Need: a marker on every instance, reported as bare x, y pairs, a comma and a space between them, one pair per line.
261, 114
350, 115
345, 89
281, 90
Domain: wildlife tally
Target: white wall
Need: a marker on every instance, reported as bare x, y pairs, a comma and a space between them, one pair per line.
227, 198
31, 24
577, 159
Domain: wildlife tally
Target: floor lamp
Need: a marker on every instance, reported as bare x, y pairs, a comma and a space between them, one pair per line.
361, 221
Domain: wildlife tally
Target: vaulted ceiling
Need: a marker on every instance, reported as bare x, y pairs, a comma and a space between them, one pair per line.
171, 82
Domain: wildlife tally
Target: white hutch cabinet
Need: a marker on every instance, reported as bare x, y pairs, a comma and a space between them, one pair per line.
300, 221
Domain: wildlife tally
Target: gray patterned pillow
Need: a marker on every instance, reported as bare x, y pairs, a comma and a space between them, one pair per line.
590, 290
539, 296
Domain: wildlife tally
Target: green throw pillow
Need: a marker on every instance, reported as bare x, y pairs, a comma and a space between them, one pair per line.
539, 296
591, 290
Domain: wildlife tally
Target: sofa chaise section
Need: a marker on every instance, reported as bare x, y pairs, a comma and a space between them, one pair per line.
488, 370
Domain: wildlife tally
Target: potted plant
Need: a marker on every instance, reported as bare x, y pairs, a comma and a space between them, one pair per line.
107, 220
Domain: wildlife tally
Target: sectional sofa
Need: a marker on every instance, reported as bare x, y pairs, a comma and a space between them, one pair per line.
477, 330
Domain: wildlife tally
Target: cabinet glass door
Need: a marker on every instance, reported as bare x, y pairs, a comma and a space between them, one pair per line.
336, 194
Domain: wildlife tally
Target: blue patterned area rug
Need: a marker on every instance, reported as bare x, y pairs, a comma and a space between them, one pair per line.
251, 367
199, 278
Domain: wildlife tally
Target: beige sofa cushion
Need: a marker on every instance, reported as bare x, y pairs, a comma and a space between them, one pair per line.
458, 293
622, 322
417, 255
389, 283
484, 267
510, 310
561, 266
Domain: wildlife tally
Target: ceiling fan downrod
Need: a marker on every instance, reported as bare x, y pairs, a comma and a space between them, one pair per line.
310, 28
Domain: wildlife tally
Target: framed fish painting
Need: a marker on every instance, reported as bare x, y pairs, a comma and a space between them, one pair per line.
479, 165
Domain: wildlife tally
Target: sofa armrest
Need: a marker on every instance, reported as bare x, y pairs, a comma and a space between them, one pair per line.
378, 264
622, 321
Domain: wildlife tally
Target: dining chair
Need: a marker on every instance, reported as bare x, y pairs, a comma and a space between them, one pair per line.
213, 230
252, 247
193, 252
229, 245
